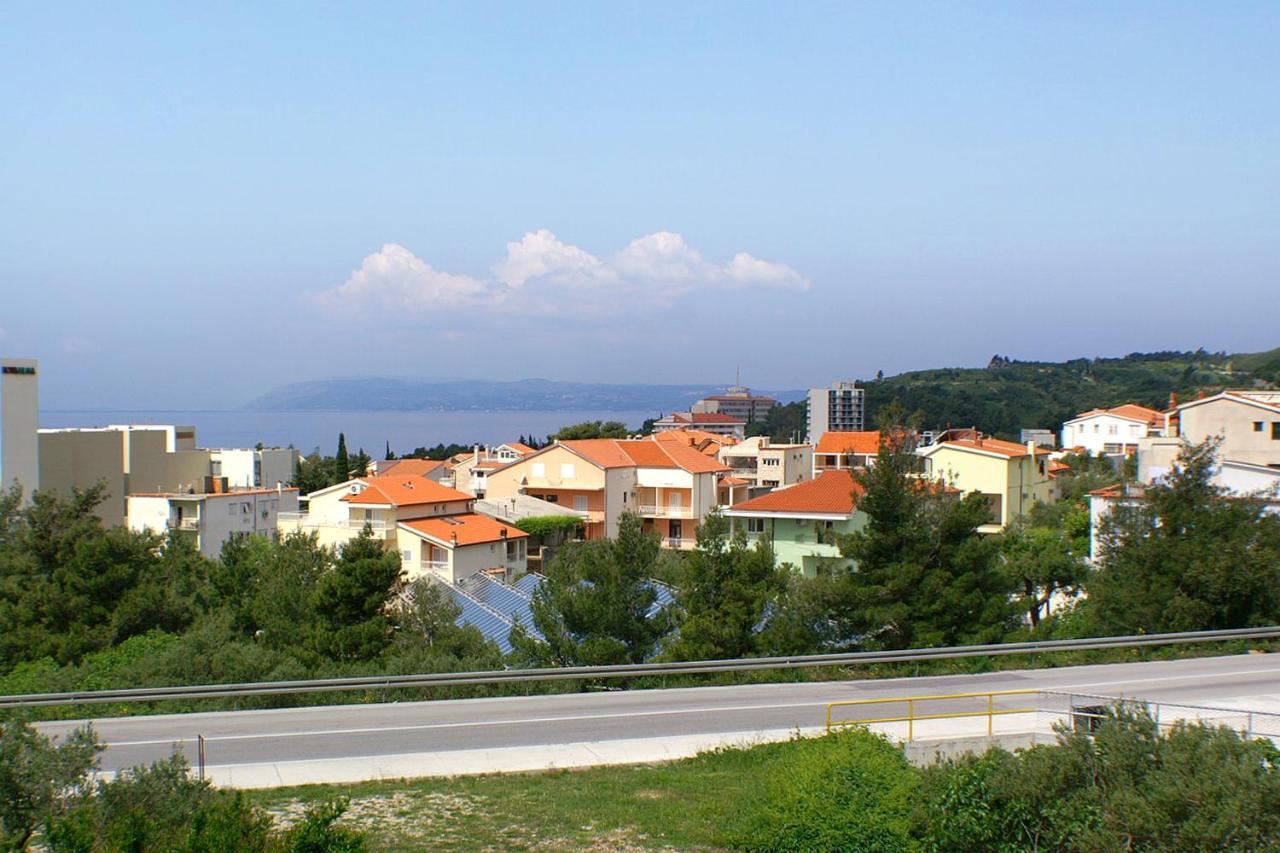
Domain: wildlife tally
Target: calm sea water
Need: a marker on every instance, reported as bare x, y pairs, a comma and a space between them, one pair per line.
370, 430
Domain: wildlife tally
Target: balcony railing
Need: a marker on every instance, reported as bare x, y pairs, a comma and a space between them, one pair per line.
679, 544
437, 566
659, 511
303, 519
184, 524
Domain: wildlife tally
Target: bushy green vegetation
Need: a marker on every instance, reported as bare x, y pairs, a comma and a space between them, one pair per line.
82, 607
1125, 787
47, 789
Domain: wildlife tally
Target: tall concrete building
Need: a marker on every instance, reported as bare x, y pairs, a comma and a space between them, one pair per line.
839, 408
19, 407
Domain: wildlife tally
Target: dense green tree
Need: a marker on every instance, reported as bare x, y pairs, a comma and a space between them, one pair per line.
352, 600
594, 607
591, 429
1187, 557
341, 462
1044, 562
925, 576
724, 591
38, 778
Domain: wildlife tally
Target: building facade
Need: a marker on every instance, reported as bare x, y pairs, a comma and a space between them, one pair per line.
840, 408
803, 523
766, 465
1112, 432
737, 402
19, 423
212, 519
1012, 477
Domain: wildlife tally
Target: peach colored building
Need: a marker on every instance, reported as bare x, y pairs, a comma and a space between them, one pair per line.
433, 528
668, 483
841, 451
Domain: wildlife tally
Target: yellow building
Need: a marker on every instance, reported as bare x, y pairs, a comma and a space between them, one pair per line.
1013, 477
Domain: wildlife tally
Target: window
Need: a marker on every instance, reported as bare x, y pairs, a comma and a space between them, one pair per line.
755, 525
1096, 428
1113, 430
1275, 430
539, 469
1257, 426
567, 471
580, 503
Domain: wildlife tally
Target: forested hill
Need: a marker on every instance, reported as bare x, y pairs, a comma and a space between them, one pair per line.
1008, 395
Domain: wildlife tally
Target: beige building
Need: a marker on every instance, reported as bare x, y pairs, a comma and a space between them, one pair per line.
1012, 477
766, 465
19, 414
470, 472
737, 402
1247, 421
669, 484
127, 458
433, 528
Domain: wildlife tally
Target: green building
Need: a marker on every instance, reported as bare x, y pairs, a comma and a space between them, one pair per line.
803, 522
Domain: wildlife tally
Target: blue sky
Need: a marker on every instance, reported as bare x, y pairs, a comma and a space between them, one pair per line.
197, 203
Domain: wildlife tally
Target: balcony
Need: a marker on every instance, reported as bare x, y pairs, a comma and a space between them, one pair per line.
192, 524
657, 511
685, 543
302, 519
439, 567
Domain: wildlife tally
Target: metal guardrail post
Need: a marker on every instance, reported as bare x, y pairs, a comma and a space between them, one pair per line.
200, 755
911, 719
991, 701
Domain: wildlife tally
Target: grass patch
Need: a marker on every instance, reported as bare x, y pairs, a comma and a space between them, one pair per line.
693, 804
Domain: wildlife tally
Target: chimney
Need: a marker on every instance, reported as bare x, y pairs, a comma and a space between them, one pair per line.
1173, 399
453, 539
1031, 448
503, 533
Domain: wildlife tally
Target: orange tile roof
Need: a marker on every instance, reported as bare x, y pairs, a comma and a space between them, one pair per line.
707, 442
642, 453
604, 452
469, 528
866, 442
519, 448
405, 491
831, 492
733, 481
1127, 410
409, 467
1010, 449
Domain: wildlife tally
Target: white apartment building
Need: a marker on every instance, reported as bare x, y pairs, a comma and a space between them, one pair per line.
1246, 422
255, 469
1112, 432
840, 408
766, 465
214, 518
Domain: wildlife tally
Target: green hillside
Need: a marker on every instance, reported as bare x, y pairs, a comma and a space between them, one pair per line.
1007, 395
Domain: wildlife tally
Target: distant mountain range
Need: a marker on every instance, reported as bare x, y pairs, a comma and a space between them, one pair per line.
413, 395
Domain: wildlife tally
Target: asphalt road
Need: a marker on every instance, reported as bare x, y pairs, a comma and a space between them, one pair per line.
311, 734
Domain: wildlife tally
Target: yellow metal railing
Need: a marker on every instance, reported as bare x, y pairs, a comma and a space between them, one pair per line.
913, 702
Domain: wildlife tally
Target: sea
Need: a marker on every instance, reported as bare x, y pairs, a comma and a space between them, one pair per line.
370, 431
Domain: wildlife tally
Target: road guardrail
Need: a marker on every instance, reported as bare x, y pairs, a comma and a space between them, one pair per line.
639, 670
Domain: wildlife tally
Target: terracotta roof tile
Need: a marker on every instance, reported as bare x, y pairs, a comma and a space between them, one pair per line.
404, 491
470, 528
832, 492
866, 442
1011, 449
409, 467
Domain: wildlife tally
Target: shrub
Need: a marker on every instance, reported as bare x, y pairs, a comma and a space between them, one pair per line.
850, 790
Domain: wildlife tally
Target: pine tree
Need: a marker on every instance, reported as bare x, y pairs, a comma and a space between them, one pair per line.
341, 463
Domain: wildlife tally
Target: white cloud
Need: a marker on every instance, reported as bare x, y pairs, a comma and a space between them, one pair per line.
394, 278
542, 274
540, 254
